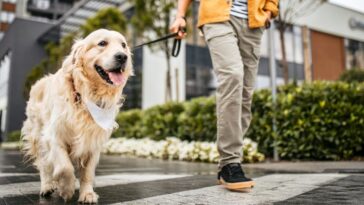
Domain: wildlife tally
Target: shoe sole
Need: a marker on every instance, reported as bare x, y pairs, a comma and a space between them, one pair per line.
238, 185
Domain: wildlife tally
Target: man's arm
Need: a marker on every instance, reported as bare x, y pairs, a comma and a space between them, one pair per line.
180, 21
272, 7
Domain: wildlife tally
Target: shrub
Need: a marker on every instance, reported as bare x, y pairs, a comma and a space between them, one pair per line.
198, 121
14, 136
131, 124
322, 120
353, 75
161, 121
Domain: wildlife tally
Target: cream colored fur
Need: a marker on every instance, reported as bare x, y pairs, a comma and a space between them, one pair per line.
59, 133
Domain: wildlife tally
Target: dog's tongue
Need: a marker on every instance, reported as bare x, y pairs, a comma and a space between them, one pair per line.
117, 78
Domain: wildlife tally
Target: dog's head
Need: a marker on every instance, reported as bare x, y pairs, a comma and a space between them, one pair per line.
104, 57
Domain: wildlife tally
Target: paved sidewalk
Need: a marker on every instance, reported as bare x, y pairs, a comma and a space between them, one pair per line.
312, 167
123, 180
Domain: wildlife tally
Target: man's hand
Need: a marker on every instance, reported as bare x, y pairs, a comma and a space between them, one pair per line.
269, 17
178, 23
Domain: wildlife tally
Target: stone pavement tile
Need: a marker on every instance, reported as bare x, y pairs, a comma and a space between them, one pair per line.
18, 179
23, 200
311, 167
13, 162
269, 189
348, 190
128, 192
19, 189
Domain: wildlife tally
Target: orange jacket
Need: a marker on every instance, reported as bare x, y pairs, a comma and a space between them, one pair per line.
212, 11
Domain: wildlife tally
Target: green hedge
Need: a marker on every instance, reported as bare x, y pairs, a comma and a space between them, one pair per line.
322, 120
198, 121
13, 136
353, 75
192, 120
161, 121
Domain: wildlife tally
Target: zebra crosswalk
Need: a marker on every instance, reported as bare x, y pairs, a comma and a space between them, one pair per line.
25, 188
268, 189
141, 181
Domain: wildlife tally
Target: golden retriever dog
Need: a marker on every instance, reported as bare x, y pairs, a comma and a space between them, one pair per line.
70, 114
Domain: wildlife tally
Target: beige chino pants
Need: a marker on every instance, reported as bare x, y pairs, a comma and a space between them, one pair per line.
234, 50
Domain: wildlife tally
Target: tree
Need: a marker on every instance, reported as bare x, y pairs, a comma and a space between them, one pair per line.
290, 11
152, 17
109, 18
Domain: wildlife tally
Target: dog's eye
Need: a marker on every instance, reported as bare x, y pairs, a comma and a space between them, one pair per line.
123, 45
102, 43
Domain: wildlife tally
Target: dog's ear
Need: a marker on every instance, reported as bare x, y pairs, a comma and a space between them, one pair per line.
74, 58
77, 51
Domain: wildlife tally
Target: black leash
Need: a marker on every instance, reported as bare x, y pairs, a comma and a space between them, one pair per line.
176, 43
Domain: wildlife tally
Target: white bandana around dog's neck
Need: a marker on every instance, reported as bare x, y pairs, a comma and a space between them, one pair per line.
105, 118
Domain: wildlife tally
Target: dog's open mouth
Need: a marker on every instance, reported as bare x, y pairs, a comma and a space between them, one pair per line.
114, 76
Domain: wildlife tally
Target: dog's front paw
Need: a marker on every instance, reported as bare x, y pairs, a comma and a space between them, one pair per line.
88, 198
66, 187
47, 190
66, 193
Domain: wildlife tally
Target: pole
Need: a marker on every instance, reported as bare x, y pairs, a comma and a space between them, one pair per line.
306, 54
55, 15
273, 83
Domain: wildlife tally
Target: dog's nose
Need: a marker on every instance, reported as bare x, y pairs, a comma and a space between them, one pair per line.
121, 57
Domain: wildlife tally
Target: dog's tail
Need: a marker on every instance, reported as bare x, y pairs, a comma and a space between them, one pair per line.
31, 130
30, 143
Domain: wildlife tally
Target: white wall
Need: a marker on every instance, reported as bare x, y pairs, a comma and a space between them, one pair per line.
154, 76
4, 77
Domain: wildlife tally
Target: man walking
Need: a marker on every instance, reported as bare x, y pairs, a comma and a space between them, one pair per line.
233, 31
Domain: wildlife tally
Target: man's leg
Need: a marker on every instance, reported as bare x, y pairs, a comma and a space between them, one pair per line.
228, 66
248, 40
249, 44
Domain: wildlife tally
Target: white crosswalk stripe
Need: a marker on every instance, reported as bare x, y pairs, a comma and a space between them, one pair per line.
17, 189
268, 189
16, 174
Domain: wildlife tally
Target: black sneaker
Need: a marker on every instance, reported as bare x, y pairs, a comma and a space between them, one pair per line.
232, 177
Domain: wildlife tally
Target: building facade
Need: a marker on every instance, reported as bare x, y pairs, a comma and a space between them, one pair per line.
7, 14
337, 40
19, 53
45, 10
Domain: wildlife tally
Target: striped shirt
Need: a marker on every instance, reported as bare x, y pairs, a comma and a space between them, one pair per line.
239, 8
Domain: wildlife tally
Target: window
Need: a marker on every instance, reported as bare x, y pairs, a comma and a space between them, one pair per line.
10, 1
7, 17
42, 4
200, 79
293, 44
354, 54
